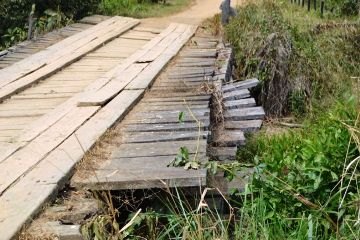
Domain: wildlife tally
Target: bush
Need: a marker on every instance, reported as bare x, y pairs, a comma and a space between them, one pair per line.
302, 173
344, 7
274, 42
14, 13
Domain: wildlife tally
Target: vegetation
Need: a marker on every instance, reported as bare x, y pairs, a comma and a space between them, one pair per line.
14, 14
142, 8
295, 54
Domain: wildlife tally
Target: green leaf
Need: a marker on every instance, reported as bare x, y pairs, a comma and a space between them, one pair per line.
181, 117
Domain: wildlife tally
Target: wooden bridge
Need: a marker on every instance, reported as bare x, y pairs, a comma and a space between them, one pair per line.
111, 89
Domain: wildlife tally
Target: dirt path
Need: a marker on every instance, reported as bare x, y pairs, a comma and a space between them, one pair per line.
198, 12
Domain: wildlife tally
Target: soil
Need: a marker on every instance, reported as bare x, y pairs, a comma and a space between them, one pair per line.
195, 14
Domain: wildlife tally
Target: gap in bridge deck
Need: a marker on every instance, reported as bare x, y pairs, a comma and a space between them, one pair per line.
29, 105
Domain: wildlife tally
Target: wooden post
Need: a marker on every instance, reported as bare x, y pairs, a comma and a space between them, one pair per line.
31, 22
322, 4
309, 1
315, 5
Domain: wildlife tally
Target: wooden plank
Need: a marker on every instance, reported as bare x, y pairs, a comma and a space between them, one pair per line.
111, 89
249, 83
159, 48
26, 197
107, 116
50, 174
21, 161
183, 99
38, 60
236, 95
57, 230
118, 70
131, 150
241, 103
170, 119
143, 179
169, 113
245, 126
144, 137
145, 79
244, 114
229, 138
223, 153
51, 67
166, 127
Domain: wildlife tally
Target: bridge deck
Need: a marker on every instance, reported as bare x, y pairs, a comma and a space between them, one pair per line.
57, 103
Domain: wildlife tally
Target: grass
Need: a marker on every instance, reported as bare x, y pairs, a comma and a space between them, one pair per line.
143, 8
300, 68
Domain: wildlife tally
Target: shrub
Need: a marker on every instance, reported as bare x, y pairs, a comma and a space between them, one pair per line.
14, 13
302, 173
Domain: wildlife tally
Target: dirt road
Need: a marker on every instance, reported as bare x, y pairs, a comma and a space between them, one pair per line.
198, 12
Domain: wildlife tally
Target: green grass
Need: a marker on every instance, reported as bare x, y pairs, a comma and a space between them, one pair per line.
143, 8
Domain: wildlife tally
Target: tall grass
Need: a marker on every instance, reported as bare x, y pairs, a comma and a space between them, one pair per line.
300, 67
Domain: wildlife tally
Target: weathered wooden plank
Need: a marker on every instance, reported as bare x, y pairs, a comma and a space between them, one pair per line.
159, 48
191, 104
222, 153
249, 83
245, 126
183, 99
26, 197
144, 137
115, 110
194, 53
169, 113
111, 89
166, 127
38, 60
21, 161
170, 119
241, 103
145, 79
141, 172
236, 95
47, 68
57, 230
144, 179
156, 149
118, 70
244, 114
229, 138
